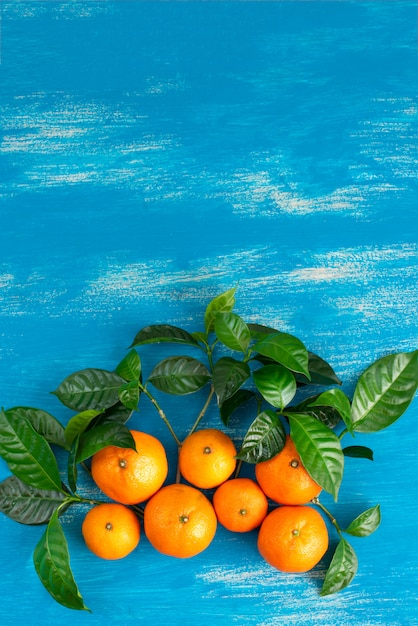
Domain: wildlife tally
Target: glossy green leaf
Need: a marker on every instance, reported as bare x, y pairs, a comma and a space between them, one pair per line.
26, 504
232, 331
72, 471
286, 350
366, 523
232, 404
358, 452
130, 367
179, 375
129, 395
116, 413
78, 424
44, 423
384, 391
259, 331
321, 372
228, 376
264, 439
110, 434
52, 564
164, 333
222, 303
342, 569
328, 415
90, 389
338, 400
319, 449
27, 453
276, 384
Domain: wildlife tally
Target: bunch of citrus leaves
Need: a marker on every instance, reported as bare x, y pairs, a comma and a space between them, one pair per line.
244, 367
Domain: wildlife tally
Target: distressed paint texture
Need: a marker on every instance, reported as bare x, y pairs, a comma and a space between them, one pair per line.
153, 154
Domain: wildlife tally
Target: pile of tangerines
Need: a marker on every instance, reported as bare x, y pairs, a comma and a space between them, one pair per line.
180, 519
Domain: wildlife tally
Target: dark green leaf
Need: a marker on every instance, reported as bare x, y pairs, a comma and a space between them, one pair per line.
90, 389
366, 523
232, 331
130, 366
220, 304
264, 439
342, 569
228, 407
78, 424
336, 399
26, 504
52, 564
358, 452
179, 375
228, 376
321, 372
164, 333
319, 449
72, 471
116, 413
384, 391
44, 424
258, 331
276, 384
110, 434
27, 453
326, 414
286, 350
129, 395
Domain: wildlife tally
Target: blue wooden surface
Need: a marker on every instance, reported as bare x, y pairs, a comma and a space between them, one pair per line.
154, 154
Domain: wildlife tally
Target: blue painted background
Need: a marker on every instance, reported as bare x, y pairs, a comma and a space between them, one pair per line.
154, 154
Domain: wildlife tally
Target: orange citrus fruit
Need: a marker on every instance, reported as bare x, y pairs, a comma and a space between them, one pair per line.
130, 476
207, 458
111, 530
179, 521
293, 538
284, 479
240, 504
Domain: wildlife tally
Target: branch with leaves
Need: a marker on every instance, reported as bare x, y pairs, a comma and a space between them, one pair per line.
290, 389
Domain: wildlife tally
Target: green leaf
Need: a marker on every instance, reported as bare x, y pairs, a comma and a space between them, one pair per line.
232, 331
321, 373
286, 350
338, 400
78, 424
44, 423
90, 389
179, 375
52, 564
326, 414
130, 367
223, 303
72, 471
384, 391
366, 523
319, 449
27, 453
276, 384
26, 504
110, 434
228, 376
164, 333
129, 395
342, 569
264, 439
358, 452
116, 413
259, 331
229, 406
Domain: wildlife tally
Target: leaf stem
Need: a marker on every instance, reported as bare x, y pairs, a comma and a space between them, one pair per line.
160, 413
328, 514
203, 411
342, 433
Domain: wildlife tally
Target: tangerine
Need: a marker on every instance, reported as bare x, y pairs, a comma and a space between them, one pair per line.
111, 531
131, 476
179, 521
207, 458
240, 504
284, 479
293, 538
